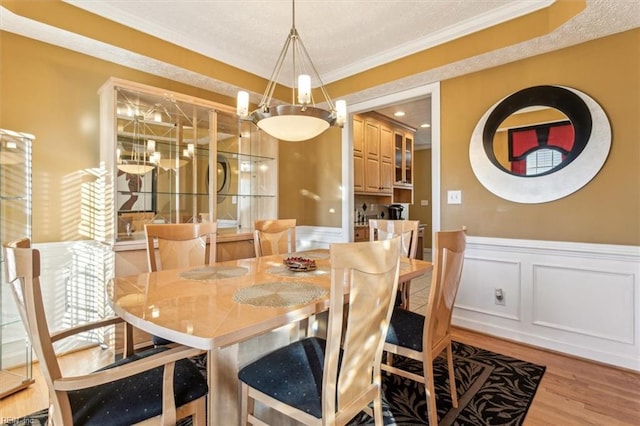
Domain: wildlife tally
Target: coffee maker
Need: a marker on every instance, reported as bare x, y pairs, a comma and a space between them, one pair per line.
395, 212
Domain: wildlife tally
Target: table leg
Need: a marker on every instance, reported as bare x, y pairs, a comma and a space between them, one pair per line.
222, 368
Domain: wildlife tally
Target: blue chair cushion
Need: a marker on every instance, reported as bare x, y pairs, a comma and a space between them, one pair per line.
405, 329
159, 341
135, 398
292, 374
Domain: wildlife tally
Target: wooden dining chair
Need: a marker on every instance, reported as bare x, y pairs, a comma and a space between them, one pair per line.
276, 236
317, 381
180, 245
424, 337
381, 229
155, 386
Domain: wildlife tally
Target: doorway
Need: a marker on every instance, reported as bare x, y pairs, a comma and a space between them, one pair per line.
431, 91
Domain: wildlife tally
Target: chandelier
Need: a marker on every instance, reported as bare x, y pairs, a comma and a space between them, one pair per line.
301, 120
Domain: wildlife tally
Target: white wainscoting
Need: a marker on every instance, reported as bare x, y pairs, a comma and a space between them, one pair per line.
311, 237
575, 298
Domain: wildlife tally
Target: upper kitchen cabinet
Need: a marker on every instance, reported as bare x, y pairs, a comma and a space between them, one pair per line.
358, 154
173, 158
403, 166
382, 158
373, 157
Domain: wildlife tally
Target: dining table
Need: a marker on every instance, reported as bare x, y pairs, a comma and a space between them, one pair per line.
236, 311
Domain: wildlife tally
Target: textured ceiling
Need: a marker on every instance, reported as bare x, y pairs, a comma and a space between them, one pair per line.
343, 37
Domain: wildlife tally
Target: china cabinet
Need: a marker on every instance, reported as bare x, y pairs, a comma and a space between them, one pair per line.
15, 223
173, 158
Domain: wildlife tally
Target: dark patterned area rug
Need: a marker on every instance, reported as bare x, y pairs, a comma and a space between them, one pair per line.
493, 389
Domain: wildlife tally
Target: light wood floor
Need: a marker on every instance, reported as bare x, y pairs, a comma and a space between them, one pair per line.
572, 391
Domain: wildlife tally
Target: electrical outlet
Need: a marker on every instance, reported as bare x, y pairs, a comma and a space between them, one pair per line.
499, 297
454, 197
424, 203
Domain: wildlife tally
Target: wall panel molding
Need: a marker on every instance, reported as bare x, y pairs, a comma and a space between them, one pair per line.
577, 298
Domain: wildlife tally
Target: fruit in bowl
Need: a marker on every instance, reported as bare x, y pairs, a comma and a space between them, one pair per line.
300, 264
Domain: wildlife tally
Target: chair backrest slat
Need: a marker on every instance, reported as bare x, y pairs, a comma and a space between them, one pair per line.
382, 229
448, 262
181, 245
368, 272
276, 236
23, 275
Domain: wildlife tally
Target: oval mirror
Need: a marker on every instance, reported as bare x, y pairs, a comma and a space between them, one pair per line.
540, 144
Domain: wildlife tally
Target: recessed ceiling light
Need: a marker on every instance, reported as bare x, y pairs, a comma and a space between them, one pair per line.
425, 125
399, 113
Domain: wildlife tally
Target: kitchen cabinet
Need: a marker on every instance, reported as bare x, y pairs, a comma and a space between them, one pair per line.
386, 159
15, 223
373, 157
403, 166
358, 152
361, 233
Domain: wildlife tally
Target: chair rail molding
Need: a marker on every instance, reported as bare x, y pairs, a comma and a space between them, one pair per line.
581, 299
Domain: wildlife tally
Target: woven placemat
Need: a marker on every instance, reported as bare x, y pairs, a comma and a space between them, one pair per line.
209, 273
279, 294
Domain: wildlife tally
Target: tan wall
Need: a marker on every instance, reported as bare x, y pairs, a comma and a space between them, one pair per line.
310, 180
51, 93
422, 191
607, 210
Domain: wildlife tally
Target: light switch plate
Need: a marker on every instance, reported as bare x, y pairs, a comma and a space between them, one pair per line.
424, 203
454, 197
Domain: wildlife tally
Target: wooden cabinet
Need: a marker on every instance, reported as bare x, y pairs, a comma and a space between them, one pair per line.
361, 233
358, 152
386, 159
372, 157
403, 166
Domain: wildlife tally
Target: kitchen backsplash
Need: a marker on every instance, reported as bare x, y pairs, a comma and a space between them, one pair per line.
365, 210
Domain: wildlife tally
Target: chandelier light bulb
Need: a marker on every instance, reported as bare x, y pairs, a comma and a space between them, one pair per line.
304, 89
341, 112
242, 108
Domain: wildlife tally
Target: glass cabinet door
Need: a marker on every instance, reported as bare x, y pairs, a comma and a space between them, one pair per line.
403, 161
246, 174
173, 158
163, 150
15, 223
